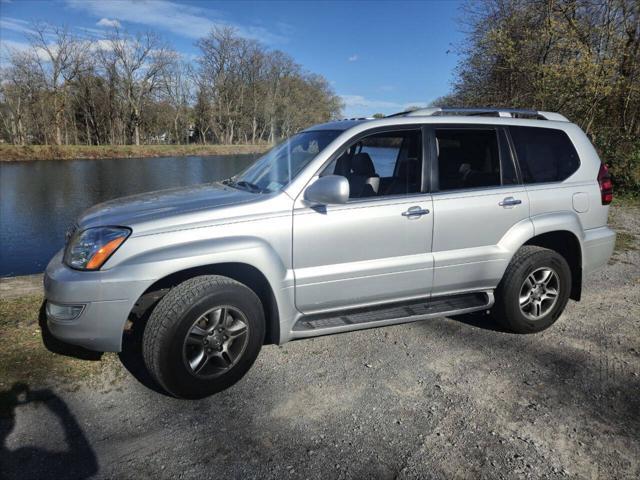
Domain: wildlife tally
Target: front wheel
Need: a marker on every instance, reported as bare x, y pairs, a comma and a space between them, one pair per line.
533, 291
203, 336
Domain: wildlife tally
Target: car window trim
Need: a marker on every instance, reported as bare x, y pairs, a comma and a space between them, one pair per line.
385, 200
504, 142
513, 186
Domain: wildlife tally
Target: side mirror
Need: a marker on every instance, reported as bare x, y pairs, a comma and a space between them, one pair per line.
327, 190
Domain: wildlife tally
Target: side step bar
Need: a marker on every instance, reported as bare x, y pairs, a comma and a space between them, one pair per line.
390, 314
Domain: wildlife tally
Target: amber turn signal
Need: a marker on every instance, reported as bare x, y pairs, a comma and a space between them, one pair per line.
104, 253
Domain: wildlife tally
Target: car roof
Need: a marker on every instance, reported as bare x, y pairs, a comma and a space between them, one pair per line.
454, 115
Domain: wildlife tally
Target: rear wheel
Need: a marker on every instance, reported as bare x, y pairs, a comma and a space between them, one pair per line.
534, 290
203, 336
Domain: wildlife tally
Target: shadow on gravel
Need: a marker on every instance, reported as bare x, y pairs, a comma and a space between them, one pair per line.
582, 382
78, 461
480, 320
131, 355
54, 345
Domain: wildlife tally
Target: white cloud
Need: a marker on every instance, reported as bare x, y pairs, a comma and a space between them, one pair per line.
186, 20
15, 24
353, 58
92, 32
358, 101
108, 22
100, 44
360, 106
8, 47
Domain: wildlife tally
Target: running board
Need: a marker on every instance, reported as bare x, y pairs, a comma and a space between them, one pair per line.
390, 314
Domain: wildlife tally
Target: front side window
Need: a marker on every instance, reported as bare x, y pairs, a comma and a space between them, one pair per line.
470, 158
382, 164
278, 167
544, 154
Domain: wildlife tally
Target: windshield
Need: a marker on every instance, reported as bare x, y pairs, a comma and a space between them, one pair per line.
274, 170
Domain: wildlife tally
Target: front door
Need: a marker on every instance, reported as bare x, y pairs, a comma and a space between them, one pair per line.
376, 248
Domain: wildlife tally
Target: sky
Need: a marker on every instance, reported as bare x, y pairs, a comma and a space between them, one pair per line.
379, 56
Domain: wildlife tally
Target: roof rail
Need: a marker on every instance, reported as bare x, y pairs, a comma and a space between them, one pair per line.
488, 111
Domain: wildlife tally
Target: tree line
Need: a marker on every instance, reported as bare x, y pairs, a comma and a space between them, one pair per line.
135, 89
577, 57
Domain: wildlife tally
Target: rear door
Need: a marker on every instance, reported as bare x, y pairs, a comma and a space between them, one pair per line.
477, 199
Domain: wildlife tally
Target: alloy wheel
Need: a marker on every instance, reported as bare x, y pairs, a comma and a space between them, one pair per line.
539, 293
215, 342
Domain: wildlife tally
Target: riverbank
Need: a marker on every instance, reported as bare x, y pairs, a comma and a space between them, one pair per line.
19, 153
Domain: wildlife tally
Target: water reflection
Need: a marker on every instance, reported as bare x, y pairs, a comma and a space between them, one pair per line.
39, 200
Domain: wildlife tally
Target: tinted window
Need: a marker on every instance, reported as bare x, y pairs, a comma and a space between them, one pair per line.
544, 154
388, 163
470, 158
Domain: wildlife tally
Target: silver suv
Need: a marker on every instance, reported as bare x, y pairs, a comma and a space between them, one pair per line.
347, 225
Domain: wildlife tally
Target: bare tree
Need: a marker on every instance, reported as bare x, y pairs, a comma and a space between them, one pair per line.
178, 90
59, 55
138, 64
134, 89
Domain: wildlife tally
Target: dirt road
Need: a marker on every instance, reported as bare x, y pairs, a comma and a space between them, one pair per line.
444, 398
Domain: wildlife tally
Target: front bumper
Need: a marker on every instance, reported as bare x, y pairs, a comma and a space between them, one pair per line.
108, 297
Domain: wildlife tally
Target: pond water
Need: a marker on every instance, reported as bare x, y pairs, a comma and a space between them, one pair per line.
39, 200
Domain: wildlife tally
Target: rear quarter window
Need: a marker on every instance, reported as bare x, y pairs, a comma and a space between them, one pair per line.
544, 154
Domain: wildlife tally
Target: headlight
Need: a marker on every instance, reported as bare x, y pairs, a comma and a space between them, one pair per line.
89, 249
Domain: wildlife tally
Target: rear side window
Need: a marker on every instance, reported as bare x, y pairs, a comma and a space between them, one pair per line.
471, 158
544, 154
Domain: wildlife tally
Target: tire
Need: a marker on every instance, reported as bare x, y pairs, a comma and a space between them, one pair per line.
538, 312
203, 315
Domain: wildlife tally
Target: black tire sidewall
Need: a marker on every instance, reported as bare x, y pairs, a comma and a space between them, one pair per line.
177, 378
510, 293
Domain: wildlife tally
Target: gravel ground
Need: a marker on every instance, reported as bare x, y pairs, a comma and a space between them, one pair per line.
443, 398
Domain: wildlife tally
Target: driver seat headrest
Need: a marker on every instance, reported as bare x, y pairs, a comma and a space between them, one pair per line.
361, 164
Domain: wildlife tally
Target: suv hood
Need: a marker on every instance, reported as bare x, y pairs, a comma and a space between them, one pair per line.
146, 207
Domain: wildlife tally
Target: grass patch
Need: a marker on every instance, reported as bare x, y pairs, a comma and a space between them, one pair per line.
24, 358
12, 153
626, 200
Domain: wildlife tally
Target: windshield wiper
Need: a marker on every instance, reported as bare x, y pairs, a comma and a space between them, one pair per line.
251, 186
230, 182
243, 185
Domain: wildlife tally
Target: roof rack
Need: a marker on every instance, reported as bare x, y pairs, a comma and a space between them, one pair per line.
488, 111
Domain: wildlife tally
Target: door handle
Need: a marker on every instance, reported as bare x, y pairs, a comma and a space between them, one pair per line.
510, 202
415, 212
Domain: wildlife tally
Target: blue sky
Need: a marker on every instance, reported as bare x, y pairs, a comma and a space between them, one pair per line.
379, 56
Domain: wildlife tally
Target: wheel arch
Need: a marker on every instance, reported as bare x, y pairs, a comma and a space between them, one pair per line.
244, 273
567, 244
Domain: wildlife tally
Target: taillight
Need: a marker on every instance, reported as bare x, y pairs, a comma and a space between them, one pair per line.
606, 186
